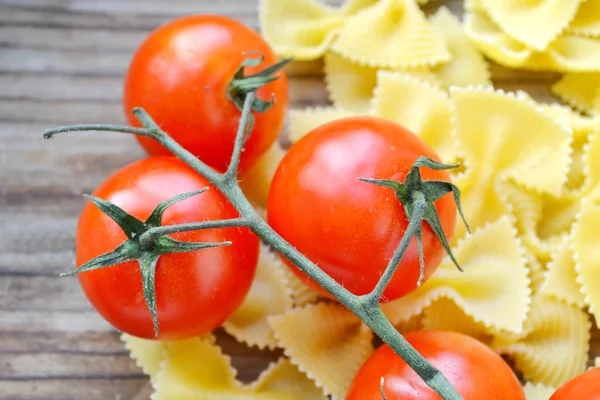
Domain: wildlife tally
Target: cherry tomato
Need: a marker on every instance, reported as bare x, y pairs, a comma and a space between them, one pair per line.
350, 228
195, 291
473, 369
180, 75
583, 387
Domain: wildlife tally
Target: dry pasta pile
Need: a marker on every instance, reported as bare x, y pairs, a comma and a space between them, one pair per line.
530, 187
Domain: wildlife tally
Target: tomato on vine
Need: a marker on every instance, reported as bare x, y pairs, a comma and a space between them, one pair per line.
351, 228
195, 291
182, 75
473, 369
583, 387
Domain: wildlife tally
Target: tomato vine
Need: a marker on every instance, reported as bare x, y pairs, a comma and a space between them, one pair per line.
145, 244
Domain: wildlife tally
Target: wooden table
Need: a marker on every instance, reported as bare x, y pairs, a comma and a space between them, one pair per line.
62, 62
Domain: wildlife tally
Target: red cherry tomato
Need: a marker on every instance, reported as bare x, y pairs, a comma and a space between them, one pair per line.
195, 291
583, 387
474, 370
180, 75
350, 228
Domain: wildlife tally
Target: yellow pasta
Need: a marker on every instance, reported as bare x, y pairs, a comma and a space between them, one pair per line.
567, 53
304, 29
585, 245
495, 273
283, 380
301, 292
473, 5
467, 66
555, 345
148, 354
504, 136
537, 273
561, 278
268, 296
579, 90
537, 391
597, 362
304, 121
256, 181
444, 314
535, 24
325, 341
423, 109
350, 85
391, 34
587, 19
195, 369
413, 324
351, 7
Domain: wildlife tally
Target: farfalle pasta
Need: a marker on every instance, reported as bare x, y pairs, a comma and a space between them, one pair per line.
268, 296
256, 181
561, 278
587, 19
391, 34
567, 53
283, 380
467, 65
585, 242
529, 147
579, 90
445, 315
418, 106
325, 341
535, 24
305, 120
555, 343
148, 354
301, 292
495, 273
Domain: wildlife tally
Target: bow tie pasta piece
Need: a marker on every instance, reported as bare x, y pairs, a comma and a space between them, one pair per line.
268, 296
304, 121
195, 369
537, 391
445, 315
325, 341
418, 106
495, 273
350, 85
467, 66
301, 292
578, 90
537, 273
256, 181
561, 277
284, 380
391, 34
585, 246
474, 5
587, 19
597, 362
504, 136
567, 53
351, 7
535, 24
555, 346
303, 29
148, 354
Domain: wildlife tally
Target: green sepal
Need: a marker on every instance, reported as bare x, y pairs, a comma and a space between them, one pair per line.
132, 249
413, 188
155, 218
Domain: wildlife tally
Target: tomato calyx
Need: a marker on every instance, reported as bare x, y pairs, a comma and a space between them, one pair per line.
241, 84
142, 246
414, 193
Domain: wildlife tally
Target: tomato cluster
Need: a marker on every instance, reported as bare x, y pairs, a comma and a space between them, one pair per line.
181, 76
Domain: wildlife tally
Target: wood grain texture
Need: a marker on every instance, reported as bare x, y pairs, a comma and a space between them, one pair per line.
62, 62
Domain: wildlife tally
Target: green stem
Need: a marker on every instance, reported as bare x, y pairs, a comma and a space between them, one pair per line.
148, 238
419, 207
48, 134
232, 169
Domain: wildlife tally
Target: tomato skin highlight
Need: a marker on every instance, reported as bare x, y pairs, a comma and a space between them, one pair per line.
473, 369
180, 74
350, 228
583, 387
195, 291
